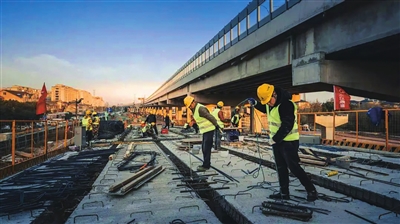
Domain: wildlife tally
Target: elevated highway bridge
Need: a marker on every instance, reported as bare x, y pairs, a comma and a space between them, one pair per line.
303, 46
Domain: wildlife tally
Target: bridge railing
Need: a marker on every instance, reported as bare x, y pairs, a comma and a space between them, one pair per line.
255, 15
24, 143
354, 129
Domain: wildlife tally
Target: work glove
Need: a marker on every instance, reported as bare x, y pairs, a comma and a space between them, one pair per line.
252, 101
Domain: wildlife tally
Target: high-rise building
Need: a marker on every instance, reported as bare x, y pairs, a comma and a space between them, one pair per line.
68, 94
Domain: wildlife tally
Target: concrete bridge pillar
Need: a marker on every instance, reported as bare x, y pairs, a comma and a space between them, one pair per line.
330, 122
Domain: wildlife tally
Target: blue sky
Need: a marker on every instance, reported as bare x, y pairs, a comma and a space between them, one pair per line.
120, 49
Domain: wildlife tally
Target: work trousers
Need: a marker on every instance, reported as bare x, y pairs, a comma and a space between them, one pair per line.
89, 135
95, 131
206, 148
155, 129
286, 156
217, 140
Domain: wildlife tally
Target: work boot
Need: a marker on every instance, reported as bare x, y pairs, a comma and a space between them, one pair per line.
312, 195
280, 196
201, 168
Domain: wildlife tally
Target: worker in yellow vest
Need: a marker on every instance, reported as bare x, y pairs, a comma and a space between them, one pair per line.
236, 117
284, 138
207, 125
219, 116
96, 124
88, 125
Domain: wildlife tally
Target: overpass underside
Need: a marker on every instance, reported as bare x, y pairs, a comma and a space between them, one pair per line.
352, 45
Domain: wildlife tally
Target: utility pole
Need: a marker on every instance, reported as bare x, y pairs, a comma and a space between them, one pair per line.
94, 92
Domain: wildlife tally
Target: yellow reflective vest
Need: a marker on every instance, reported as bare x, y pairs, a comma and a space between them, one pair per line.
274, 122
87, 123
233, 121
215, 114
96, 121
204, 124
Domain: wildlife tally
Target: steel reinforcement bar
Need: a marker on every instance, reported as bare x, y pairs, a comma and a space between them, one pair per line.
353, 191
230, 210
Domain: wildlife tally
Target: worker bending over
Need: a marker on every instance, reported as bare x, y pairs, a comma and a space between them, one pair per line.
284, 137
152, 119
207, 125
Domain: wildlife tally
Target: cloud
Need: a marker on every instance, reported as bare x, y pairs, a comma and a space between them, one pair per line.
115, 83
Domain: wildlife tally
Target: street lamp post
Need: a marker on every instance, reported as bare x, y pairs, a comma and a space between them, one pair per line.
76, 107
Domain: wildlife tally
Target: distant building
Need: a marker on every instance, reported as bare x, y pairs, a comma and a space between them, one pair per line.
68, 95
60, 97
19, 96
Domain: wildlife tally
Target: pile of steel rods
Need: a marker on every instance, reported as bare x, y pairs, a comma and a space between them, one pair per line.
52, 181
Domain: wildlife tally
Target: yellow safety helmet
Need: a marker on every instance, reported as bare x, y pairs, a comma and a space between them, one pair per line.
94, 113
237, 108
188, 100
220, 104
264, 93
153, 123
142, 122
88, 112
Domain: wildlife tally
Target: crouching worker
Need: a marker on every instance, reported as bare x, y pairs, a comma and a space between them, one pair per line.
147, 131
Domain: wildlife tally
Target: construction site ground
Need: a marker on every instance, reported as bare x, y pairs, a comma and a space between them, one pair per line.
180, 194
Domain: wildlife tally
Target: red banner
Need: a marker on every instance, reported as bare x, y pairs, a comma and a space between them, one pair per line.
41, 104
342, 99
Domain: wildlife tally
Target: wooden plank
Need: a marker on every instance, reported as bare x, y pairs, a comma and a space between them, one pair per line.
115, 187
130, 185
23, 154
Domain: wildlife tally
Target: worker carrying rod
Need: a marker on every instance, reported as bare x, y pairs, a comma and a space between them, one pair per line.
284, 138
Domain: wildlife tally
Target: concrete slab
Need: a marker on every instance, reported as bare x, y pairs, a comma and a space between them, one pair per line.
254, 189
158, 201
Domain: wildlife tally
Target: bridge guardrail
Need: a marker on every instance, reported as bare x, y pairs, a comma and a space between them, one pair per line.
24, 143
353, 128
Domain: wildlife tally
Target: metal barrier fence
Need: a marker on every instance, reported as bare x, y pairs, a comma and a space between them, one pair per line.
25, 143
354, 129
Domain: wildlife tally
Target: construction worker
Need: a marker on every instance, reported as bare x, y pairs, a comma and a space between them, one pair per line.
147, 131
236, 117
219, 116
88, 125
284, 138
152, 119
167, 121
96, 124
207, 125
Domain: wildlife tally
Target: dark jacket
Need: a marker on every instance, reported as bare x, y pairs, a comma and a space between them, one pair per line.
286, 113
151, 118
167, 120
